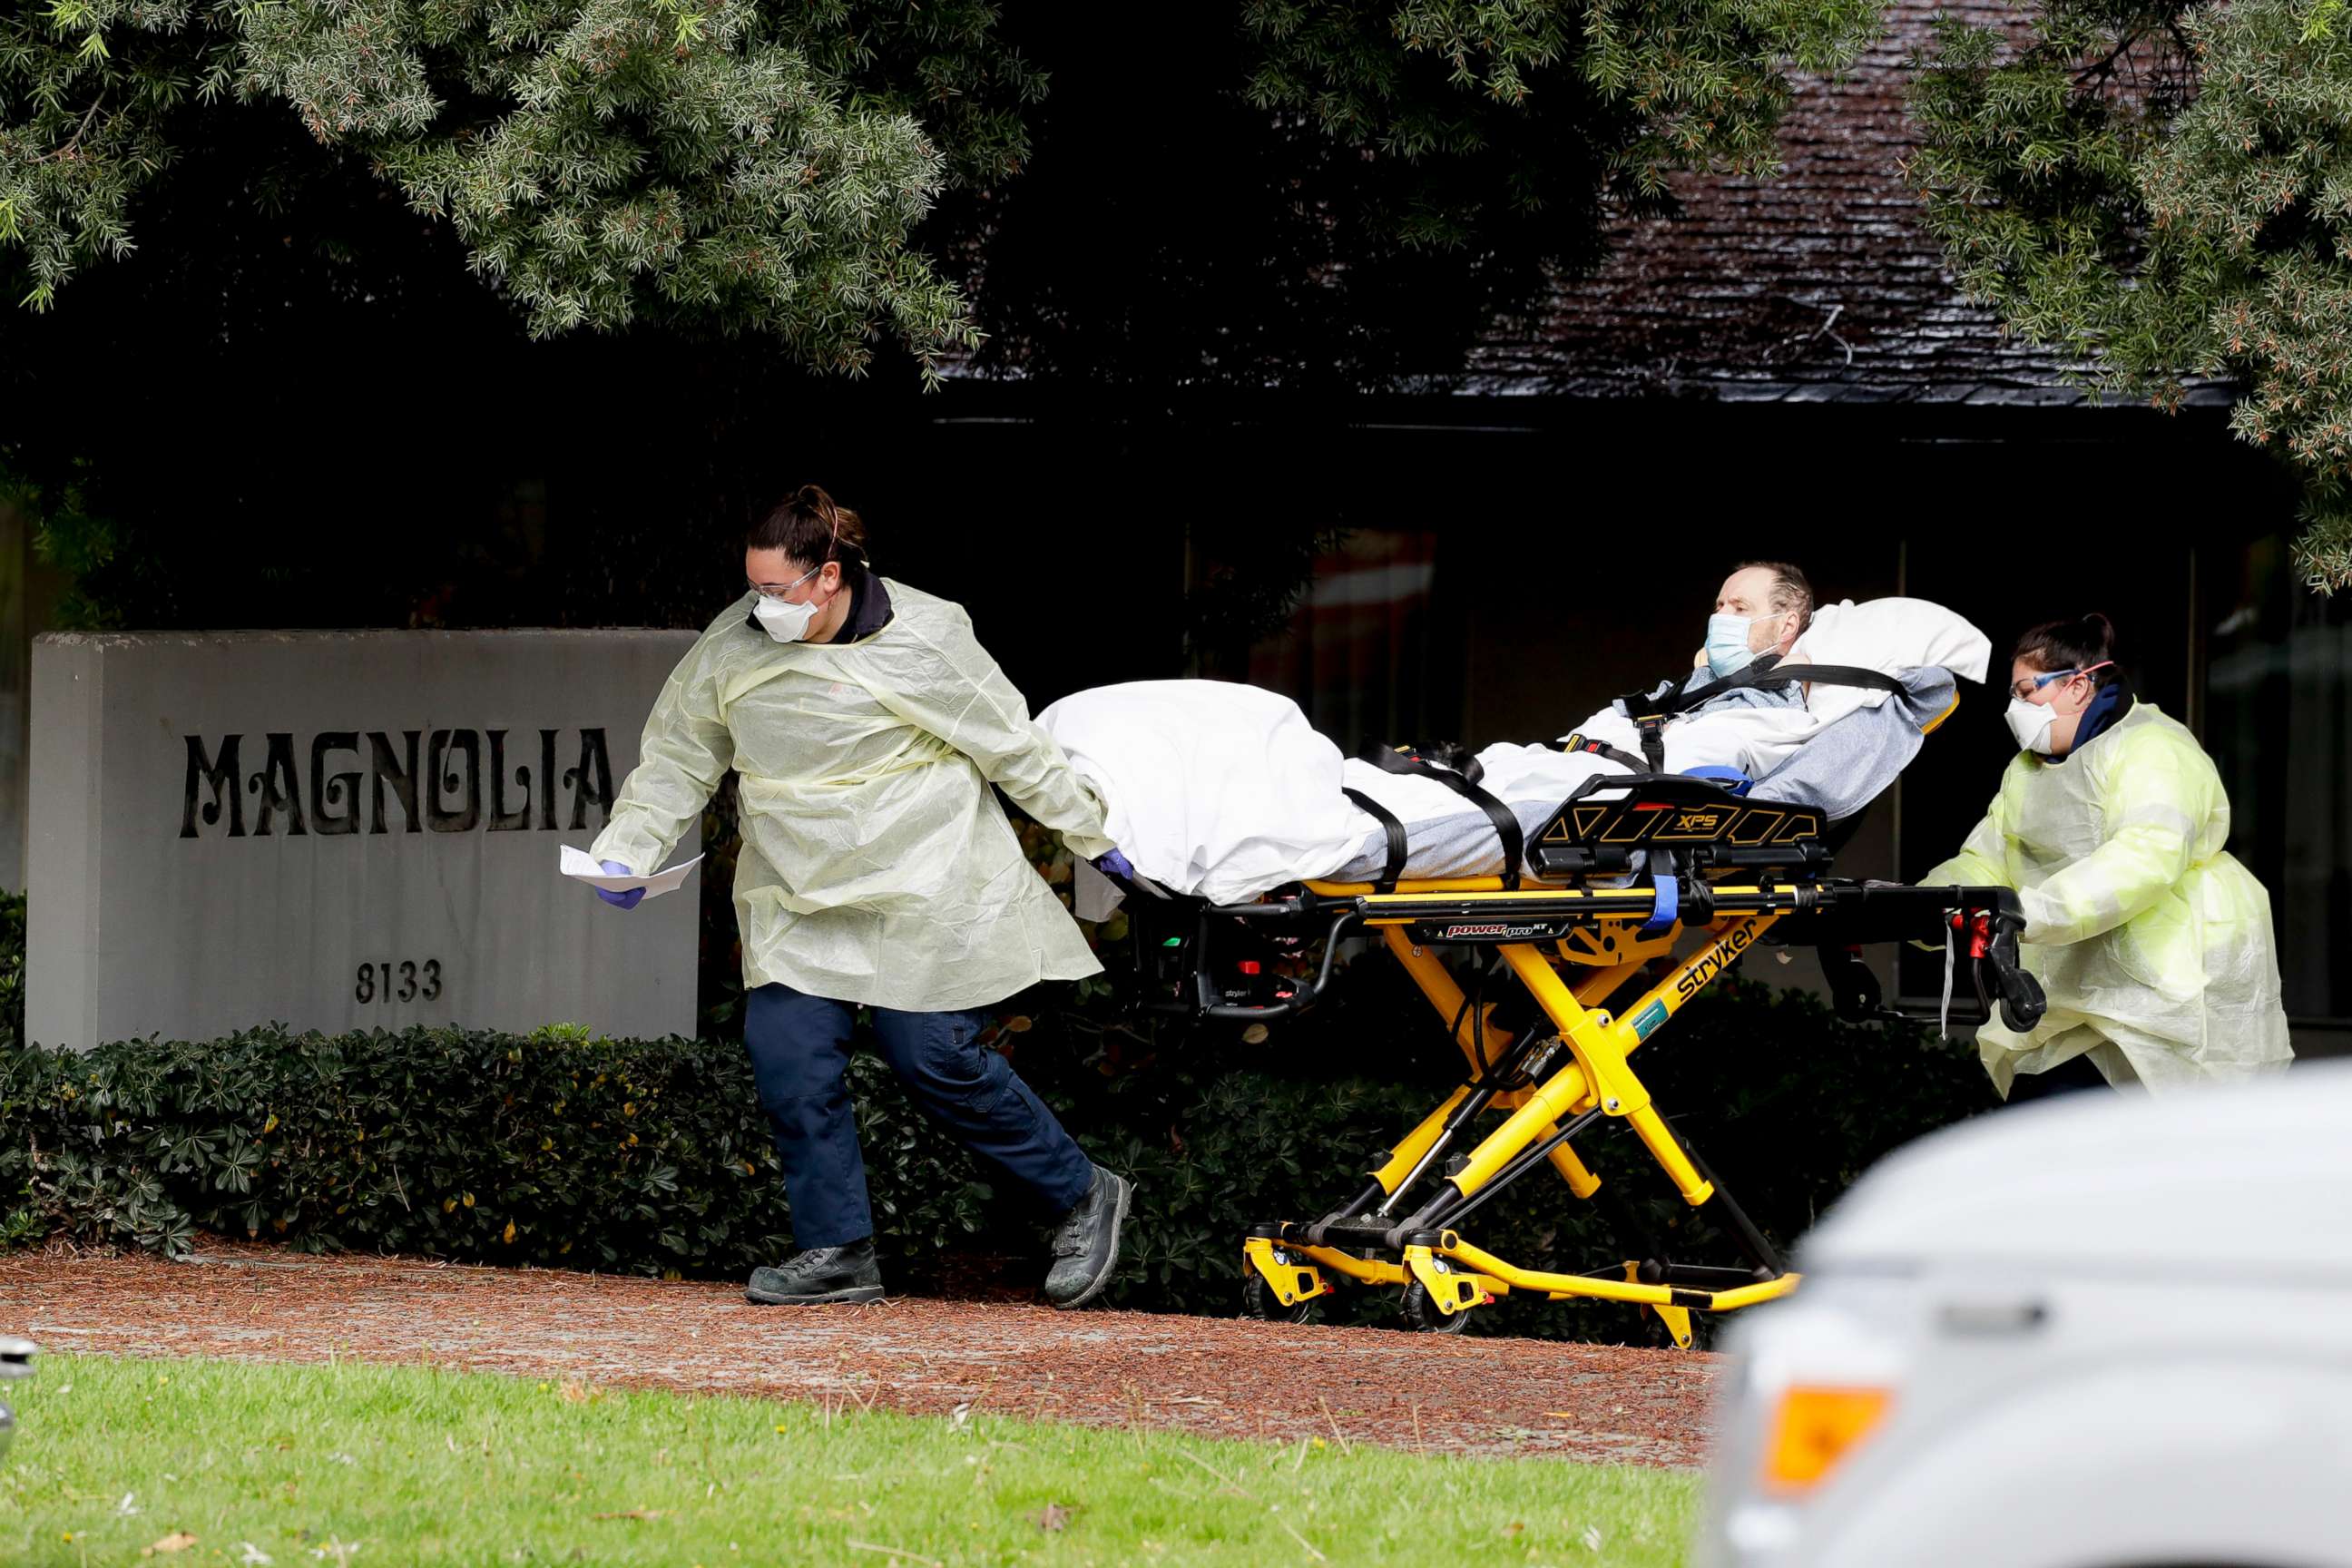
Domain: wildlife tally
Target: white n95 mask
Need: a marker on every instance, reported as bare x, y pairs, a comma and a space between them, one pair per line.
784, 622
2031, 722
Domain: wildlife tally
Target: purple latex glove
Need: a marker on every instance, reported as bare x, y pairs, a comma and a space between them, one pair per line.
628, 900
1115, 864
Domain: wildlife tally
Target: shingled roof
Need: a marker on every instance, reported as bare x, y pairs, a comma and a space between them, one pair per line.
1822, 285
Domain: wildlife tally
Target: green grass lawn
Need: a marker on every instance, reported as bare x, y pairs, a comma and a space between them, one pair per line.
388, 1465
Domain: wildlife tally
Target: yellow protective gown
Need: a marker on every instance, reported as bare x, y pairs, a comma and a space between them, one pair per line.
2153, 943
876, 865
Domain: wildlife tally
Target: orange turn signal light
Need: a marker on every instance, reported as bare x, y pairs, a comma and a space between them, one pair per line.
1814, 1429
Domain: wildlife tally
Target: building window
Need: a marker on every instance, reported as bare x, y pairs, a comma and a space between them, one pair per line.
1357, 653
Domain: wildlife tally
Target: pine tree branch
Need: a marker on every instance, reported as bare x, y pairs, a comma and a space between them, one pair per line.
73, 142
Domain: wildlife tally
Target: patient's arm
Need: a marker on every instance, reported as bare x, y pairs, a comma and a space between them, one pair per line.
1611, 728
1753, 740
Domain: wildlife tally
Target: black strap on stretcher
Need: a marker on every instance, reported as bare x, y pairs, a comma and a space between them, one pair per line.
1580, 742
1387, 880
1507, 826
1650, 712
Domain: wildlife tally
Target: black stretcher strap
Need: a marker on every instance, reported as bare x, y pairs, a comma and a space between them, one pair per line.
1387, 881
1760, 674
1618, 754
1507, 827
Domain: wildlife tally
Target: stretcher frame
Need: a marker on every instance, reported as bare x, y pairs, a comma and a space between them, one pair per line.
1730, 872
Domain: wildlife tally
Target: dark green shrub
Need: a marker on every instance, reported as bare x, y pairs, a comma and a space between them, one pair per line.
644, 1156
12, 970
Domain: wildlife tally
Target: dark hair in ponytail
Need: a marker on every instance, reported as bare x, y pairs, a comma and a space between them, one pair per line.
812, 529
2072, 645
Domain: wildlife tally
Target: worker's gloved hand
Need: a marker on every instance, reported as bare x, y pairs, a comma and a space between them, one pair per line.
1114, 864
628, 900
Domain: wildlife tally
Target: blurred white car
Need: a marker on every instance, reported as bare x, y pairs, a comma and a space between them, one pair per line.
2097, 1332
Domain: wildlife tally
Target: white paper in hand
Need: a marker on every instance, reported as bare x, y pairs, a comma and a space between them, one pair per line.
581, 867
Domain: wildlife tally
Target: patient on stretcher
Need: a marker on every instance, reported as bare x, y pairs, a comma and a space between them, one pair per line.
1226, 792
1760, 612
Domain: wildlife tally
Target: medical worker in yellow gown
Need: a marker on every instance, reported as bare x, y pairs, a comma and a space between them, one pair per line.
877, 870
2152, 941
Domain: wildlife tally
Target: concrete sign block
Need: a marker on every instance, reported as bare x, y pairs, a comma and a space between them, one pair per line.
341, 830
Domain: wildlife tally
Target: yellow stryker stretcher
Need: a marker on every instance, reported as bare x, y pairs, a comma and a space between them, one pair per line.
1712, 865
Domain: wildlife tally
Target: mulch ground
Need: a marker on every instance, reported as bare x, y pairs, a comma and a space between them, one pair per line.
1233, 1378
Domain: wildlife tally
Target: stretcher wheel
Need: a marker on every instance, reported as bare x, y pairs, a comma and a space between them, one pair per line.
1259, 1300
1422, 1313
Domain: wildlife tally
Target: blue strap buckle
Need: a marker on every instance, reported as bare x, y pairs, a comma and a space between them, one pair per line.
1668, 908
1739, 784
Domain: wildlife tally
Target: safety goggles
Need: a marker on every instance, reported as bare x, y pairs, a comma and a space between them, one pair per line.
780, 592
2023, 690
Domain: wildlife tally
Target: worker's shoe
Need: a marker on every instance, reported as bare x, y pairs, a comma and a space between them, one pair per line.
820, 1276
1086, 1246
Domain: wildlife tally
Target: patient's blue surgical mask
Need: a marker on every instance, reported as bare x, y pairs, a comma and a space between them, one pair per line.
1728, 652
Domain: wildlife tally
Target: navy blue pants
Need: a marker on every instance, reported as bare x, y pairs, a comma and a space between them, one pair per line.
2076, 1075
800, 1051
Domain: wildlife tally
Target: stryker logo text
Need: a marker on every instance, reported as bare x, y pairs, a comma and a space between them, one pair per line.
1714, 962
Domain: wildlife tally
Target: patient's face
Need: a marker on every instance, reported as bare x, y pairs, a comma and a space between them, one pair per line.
1749, 594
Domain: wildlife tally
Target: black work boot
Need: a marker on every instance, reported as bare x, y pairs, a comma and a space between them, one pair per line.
819, 1276
1086, 1246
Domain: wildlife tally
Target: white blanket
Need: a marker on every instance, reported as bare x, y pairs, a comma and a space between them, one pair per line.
1446, 836
1225, 791
1208, 787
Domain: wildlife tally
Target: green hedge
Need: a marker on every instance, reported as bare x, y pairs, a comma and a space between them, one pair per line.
642, 1156
12, 970
652, 1156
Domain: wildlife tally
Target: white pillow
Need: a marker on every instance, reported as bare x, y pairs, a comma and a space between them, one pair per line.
1892, 637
